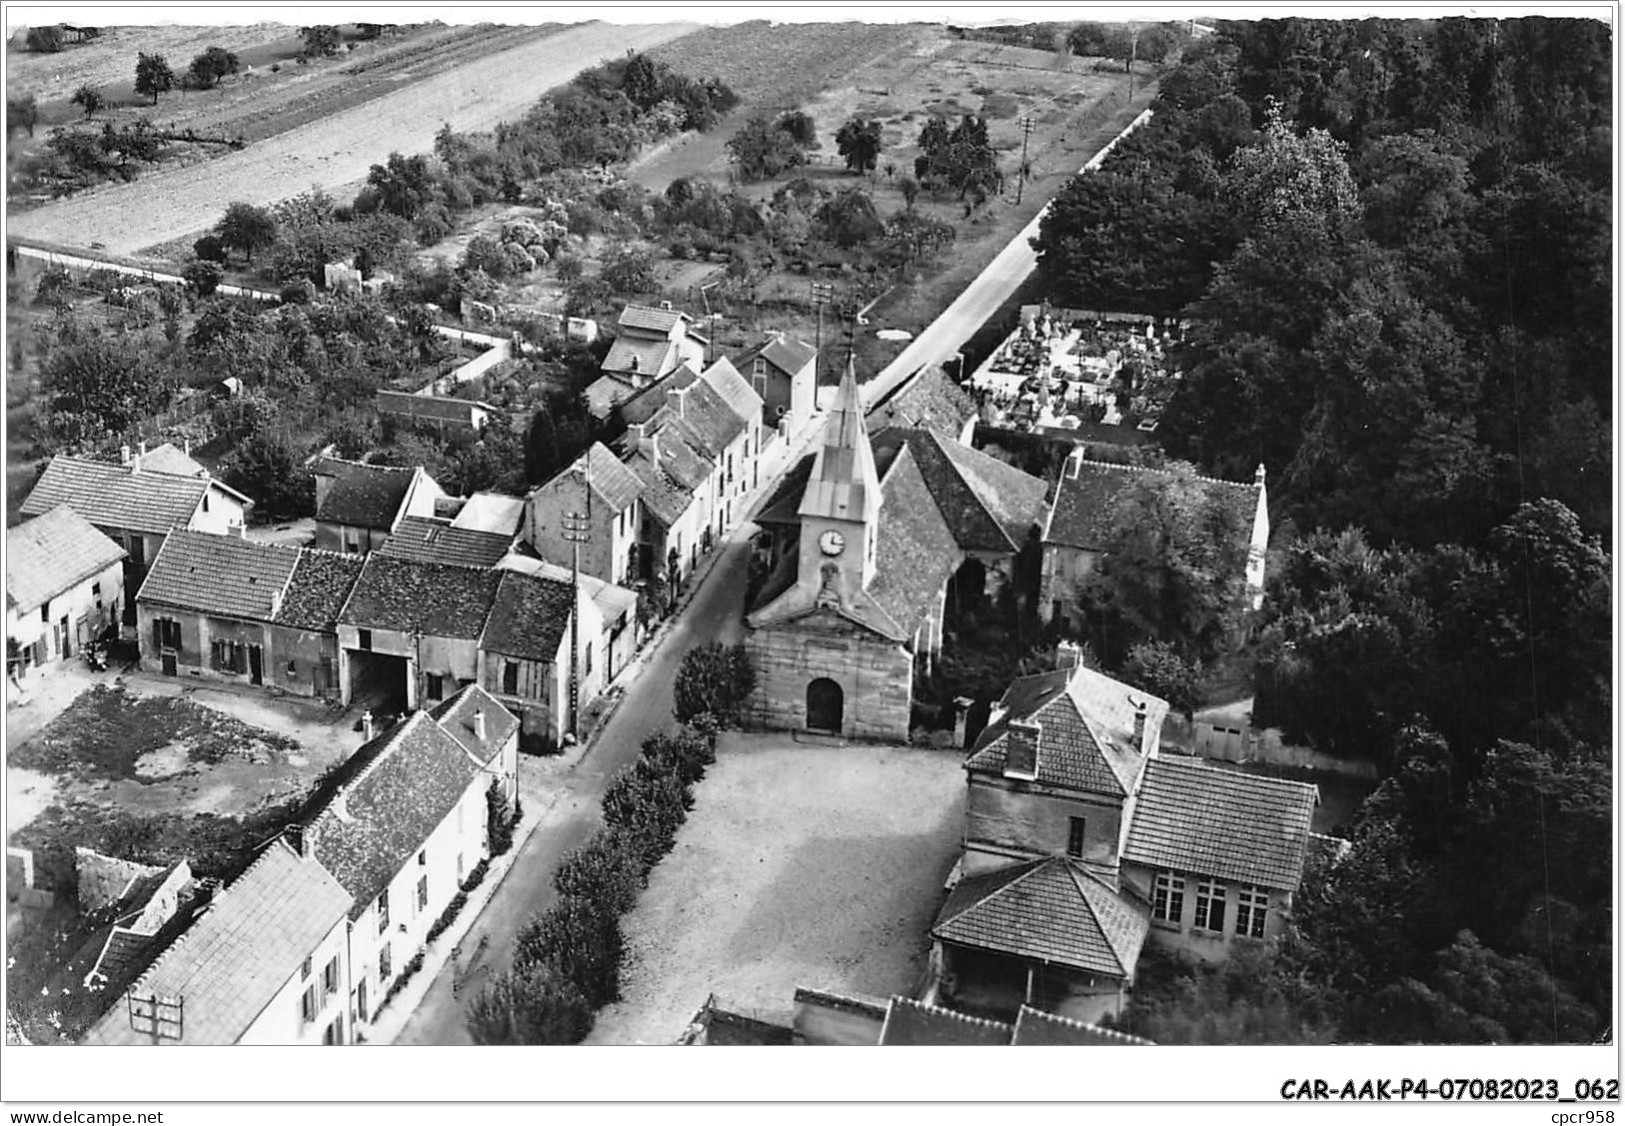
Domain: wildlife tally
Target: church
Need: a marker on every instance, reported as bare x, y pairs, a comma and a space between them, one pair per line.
873, 544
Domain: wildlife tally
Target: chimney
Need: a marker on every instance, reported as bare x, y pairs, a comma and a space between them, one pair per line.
143, 448
680, 394
1139, 724
1021, 749
187, 449
1068, 655
479, 725
961, 717
1074, 462
366, 726
238, 530
666, 305
1258, 477
124, 455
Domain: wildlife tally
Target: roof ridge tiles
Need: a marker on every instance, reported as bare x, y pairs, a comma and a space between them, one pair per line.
1162, 469
964, 1018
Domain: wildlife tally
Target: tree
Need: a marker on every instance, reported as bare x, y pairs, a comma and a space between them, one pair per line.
537, 1005
210, 249
801, 127
582, 939
910, 187
849, 219
97, 384
859, 144
629, 269
402, 185
761, 150
203, 275
45, 39
22, 113
1157, 667
153, 76
499, 818
89, 99
211, 66
246, 228
714, 679
268, 468
605, 870
322, 41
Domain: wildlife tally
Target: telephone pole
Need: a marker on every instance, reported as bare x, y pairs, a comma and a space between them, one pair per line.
1026, 124
577, 530
822, 294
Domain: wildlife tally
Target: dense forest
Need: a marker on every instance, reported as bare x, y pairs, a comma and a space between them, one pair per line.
1393, 241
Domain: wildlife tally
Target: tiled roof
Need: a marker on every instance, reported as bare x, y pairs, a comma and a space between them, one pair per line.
1049, 910
783, 506
167, 458
110, 496
989, 506
787, 353
915, 553
605, 392
528, 617
1036, 1027
54, 553
363, 496
491, 512
612, 601
612, 482
844, 483
433, 599
930, 401
456, 718
441, 408
234, 960
664, 498
1081, 514
370, 826
321, 582
646, 403
911, 1022
639, 355
650, 319
1086, 730
437, 541
122, 950
703, 418
225, 575
1201, 819
734, 390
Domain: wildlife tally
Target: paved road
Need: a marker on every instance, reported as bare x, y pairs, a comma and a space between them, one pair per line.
944, 336
336, 150
713, 615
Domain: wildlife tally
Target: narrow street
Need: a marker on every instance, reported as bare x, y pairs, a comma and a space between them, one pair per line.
713, 615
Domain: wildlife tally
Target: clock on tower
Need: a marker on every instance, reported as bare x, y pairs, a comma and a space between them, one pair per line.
832, 543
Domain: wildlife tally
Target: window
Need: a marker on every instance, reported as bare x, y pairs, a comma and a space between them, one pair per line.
363, 639
166, 634
1210, 906
96, 593
459, 855
432, 686
1168, 898
423, 893
137, 548
334, 1033
1252, 909
383, 964
293, 670
383, 912
1074, 836
229, 656
586, 660
205, 502
304, 970
307, 1005
330, 977
510, 678
423, 858
45, 613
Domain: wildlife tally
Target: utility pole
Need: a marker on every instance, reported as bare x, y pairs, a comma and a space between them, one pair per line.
577, 530
822, 294
1026, 124
1133, 49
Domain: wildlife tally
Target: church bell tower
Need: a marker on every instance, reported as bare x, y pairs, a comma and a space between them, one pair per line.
841, 506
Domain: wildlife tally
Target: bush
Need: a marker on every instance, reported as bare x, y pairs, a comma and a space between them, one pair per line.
537, 1005
714, 679
1157, 667
607, 869
499, 820
648, 808
407, 971
203, 276
582, 940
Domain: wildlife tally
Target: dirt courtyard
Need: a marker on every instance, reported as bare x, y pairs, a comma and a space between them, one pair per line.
800, 865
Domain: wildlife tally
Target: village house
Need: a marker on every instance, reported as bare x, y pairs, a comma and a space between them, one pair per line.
616, 608
227, 608
782, 370
435, 539
1078, 528
600, 495
265, 964
64, 588
359, 506
424, 407
1083, 840
525, 652
856, 606
649, 343
142, 901
138, 502
400, 827
486, 512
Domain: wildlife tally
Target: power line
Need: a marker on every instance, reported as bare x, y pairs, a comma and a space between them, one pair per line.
1026, 124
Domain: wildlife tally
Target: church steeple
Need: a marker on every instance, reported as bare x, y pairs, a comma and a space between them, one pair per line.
841, 505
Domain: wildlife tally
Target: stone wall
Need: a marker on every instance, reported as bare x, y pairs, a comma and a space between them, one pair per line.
1010, 818
875, 675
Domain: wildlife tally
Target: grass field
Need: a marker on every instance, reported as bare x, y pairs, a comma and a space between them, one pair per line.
800, 865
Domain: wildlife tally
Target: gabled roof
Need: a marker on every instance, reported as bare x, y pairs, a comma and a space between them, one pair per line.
664, 498
410, 596
168, 458
786, 353
491, 512
1208, 821
456, 717
321, 582
734, 390
1081, 514
639, 355
843, 484
989, 506
914, 550
706, 422
391, 795
612, 601
438, 541
644, 404
1049, 910
528, 617
233, 960
1086, 730
54, 553
224, 575
1036, 1027
612, 482
111, 496
363, 496
930, 401
783, 505
645, 318
910, 1022
605, 392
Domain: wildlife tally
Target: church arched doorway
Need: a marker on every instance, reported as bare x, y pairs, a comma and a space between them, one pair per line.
825, 705
967, 590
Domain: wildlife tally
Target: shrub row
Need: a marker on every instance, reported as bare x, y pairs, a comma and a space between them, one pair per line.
475, 877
